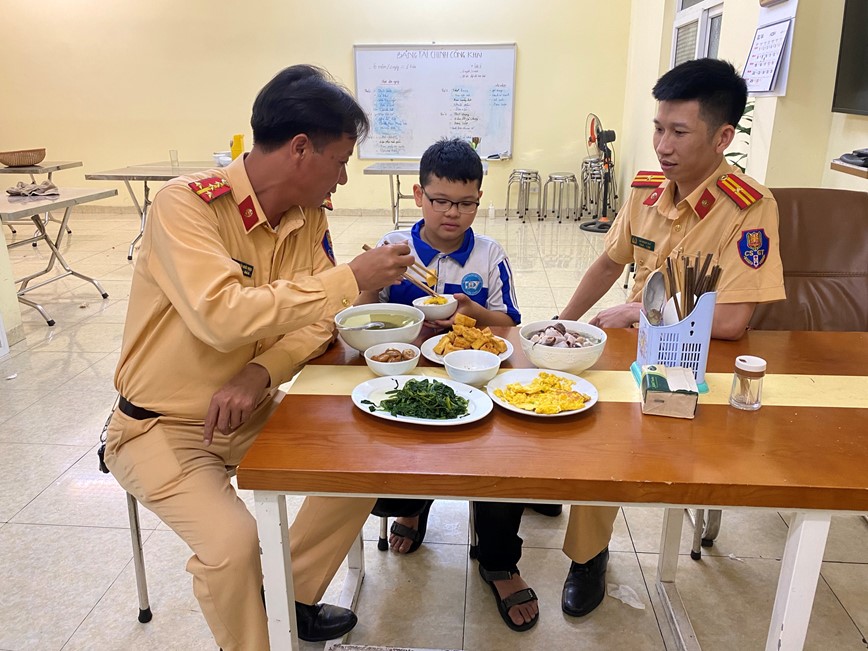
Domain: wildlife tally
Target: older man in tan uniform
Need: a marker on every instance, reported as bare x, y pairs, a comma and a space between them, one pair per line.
234, 289
698, 203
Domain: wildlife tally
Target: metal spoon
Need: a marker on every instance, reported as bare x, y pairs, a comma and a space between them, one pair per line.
654, 298
373, 325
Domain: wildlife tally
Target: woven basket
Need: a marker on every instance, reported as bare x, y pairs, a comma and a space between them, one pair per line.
22, 157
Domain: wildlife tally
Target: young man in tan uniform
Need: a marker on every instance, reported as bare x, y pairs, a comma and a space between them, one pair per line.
697, 203
234, 289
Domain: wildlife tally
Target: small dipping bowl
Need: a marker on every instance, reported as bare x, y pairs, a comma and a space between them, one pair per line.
391, 368
473, 367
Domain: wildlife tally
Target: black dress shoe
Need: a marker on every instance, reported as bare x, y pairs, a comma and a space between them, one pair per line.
585, 586
322, 622
551, 510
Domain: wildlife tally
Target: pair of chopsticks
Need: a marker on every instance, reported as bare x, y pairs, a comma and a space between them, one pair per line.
420, 270
691, 279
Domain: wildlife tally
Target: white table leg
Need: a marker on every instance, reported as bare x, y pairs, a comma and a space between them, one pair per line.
667, 566
352, 585
273, 526
800, 570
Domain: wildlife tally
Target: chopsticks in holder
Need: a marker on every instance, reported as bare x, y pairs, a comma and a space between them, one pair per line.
703, 280
410, 279
673, 287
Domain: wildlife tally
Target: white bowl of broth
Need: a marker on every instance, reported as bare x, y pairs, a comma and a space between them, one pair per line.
400, 324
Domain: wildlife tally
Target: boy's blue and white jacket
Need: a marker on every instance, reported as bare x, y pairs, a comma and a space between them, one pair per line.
479, 268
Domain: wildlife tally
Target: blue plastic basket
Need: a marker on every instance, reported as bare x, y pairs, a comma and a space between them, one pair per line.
681, 344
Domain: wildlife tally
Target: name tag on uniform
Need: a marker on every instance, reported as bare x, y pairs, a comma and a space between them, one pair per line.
246, 268
642, 243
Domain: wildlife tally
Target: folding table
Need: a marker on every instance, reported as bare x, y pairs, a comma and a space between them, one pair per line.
20, 209
45, 167
147, 172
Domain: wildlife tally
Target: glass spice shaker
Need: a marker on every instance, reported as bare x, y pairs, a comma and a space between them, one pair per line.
747, 382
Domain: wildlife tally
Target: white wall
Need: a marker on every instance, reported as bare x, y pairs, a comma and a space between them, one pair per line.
122, 83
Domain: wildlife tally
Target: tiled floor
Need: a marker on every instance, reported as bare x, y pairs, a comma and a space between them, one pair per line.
66, 579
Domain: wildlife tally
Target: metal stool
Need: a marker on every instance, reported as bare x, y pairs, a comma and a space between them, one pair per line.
592, 184
145, 614
563, 185
525, 179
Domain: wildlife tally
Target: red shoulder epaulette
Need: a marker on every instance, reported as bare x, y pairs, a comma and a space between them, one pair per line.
734, 187
648, 180
209, 189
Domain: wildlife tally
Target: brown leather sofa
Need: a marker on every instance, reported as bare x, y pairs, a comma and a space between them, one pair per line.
824, 248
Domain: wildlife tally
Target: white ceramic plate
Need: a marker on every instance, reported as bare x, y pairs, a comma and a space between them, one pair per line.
479, 404
427, 349
526, 376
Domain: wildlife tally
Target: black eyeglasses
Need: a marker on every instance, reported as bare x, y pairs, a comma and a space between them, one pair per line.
444, 205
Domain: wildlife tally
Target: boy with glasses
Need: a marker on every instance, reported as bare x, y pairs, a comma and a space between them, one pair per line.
475, 270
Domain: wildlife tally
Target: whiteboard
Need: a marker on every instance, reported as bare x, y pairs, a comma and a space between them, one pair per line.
415, 95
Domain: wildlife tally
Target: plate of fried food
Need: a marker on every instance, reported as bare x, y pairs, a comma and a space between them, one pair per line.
538, 392
465, 336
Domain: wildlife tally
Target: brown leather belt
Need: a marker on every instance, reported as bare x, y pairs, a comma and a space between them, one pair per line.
132, 411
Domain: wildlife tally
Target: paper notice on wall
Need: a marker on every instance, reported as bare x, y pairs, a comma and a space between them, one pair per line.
768, 61
764, 61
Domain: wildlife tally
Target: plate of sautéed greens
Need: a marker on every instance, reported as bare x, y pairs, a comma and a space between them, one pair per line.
421, 400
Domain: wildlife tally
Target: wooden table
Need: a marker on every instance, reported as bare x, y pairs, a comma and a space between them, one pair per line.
147, 172
809, 457
16, 209
394, 170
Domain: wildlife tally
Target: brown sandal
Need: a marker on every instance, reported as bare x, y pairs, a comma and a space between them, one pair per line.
515, 599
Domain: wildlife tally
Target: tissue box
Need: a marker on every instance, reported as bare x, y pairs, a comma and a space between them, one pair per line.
668, 391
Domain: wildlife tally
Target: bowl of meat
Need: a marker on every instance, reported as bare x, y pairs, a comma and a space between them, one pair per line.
572, 346
392, 358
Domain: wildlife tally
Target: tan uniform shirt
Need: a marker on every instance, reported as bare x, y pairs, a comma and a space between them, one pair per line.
744, 241
216, 287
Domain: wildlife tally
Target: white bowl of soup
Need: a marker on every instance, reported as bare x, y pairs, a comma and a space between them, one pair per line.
363, 326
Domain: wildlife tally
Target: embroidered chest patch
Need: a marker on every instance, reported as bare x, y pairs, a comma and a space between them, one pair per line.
471, 284
753, 247
246, 268
642, 243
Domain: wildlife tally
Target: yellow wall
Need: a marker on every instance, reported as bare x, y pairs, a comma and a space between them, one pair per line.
114, 84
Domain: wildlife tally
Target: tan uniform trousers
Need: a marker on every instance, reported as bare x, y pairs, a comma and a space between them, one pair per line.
164, 464
588, 531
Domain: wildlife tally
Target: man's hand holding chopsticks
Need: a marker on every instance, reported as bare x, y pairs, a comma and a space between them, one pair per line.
381, 266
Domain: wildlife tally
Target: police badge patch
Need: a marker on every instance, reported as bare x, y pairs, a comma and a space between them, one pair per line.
753, 247
327, 246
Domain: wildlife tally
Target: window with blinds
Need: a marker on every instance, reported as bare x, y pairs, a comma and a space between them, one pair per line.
696, 30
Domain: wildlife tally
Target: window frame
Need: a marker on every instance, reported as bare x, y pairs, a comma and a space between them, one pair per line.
701, 13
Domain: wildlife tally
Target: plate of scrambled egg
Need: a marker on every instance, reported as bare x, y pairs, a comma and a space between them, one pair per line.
543, 393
